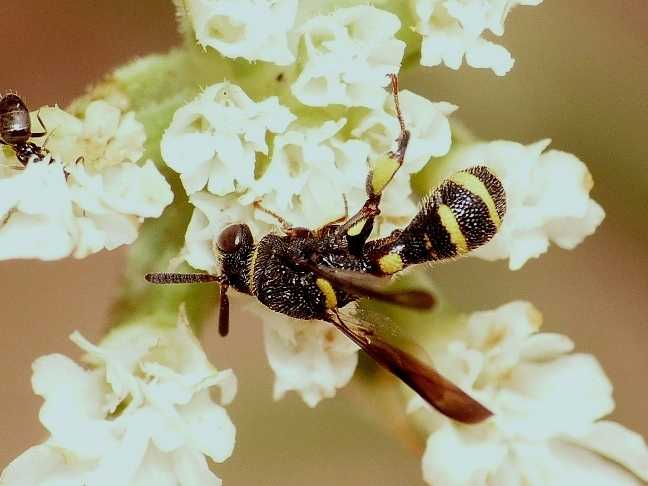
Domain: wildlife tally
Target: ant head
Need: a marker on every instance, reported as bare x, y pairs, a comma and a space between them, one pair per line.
234, 246
15, 125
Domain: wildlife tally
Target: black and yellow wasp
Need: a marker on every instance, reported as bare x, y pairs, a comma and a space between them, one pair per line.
310, 274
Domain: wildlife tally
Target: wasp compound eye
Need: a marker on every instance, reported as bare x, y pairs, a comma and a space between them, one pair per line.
232, 237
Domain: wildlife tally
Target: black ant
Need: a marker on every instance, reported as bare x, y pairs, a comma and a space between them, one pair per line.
15, 130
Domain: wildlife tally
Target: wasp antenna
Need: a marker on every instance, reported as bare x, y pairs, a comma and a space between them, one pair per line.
180, 278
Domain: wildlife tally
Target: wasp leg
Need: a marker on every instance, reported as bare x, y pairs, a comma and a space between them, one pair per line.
289, 229
358, 228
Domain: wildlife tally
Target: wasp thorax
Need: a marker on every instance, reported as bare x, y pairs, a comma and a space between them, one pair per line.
15, 125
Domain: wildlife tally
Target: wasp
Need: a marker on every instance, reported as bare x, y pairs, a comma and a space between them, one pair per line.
15, 130
311, 274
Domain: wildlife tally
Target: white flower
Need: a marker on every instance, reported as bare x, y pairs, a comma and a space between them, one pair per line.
143, 415
87, 195
112, 204
36, 212
547, 404
104, 137
311, 171
547, 198
309, 357
452, 29
213, 140
256, 30
348, 55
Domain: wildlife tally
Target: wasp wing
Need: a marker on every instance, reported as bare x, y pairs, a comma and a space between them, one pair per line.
439, 392
367, 285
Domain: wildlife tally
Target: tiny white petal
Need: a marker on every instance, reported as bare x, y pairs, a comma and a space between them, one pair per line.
310, 357
192, 469
618, 444
454, 458
212, 431
256, 30
452, 29
44, 465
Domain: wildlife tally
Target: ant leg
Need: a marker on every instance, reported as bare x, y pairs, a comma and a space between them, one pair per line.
358, 228
44, 132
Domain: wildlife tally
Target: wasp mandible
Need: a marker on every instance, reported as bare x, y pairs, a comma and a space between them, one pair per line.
310, 274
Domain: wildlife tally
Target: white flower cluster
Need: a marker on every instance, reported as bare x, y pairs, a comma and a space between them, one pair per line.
547, 406
340, 51
344, 56
89, 194
143, 415
348, 55
452, 29
547, 196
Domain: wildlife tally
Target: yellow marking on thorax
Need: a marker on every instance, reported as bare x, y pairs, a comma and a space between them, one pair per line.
383, 171
329, 294
390, 263
252, 263
449, 222
473, 184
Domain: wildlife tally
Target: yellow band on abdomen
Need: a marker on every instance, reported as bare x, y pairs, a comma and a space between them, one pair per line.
472, 183
451, 225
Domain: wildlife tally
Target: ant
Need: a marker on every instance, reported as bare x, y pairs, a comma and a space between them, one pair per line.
15, 130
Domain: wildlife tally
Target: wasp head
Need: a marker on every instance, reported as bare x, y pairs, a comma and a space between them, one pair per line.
234, 247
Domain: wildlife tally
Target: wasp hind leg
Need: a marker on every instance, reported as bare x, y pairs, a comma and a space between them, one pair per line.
358, 228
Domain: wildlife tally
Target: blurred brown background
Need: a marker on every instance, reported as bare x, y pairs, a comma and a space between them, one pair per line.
581, 78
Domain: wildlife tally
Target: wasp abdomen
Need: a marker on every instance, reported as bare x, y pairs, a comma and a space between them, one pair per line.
463, 213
